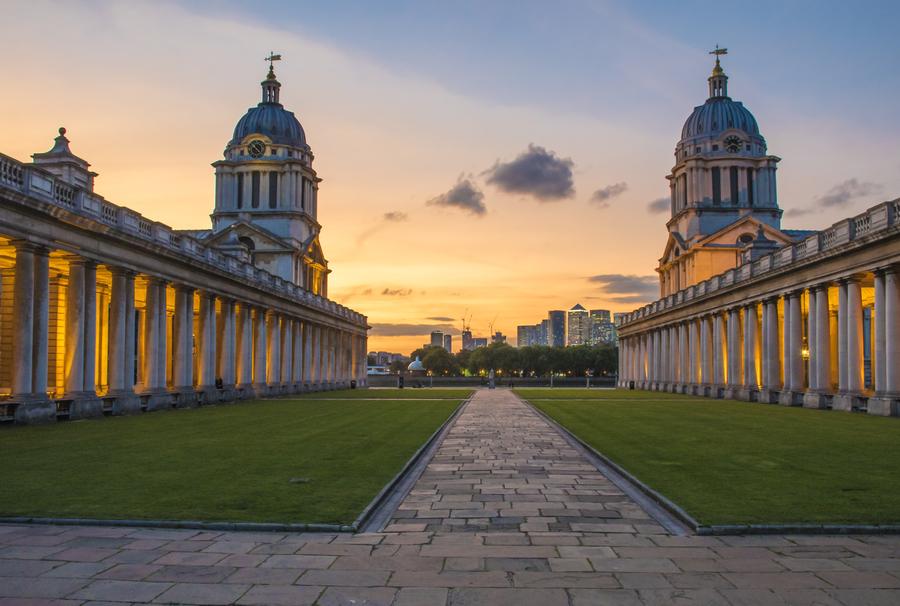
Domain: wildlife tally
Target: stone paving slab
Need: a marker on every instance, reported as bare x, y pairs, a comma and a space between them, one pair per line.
506, 513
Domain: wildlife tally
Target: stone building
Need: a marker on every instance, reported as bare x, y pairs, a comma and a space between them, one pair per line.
722, 191
103, 310
770, 315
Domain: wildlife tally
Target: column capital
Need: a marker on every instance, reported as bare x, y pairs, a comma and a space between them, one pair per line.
185, 288
851, 278
121, 271
29, 246
822, 286
75, 259
156, 280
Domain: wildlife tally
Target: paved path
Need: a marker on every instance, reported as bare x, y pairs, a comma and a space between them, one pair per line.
506, 514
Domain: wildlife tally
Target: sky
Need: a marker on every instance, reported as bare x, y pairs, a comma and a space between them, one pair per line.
485, 159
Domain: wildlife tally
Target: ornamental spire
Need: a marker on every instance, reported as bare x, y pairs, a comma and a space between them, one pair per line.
718, 81
271, 86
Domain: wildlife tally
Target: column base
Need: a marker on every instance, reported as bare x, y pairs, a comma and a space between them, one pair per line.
884, 406
122, 403
718, 391
156, 400
244, 391
730, 393
790, 398
229, 393
260, 390
747, 394
847, 402
186, 397
81, 405
33, 410
812, 399
769, 396
208, 394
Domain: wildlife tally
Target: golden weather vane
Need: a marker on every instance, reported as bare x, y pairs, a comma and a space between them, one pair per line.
272, 58
718, 52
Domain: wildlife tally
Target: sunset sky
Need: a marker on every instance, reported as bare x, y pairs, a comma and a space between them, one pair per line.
484, 156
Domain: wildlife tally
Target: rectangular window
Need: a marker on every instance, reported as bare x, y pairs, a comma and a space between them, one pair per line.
273, 190
240, 190
302, 193
254, 201
751, 176
717, 186
734, 186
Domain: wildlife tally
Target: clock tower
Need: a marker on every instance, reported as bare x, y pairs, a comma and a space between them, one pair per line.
722, 190
267, 193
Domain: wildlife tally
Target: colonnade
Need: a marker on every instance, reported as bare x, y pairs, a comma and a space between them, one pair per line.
833, 344
160, 344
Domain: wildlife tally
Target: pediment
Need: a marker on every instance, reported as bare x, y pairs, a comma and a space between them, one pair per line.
747, 227
263, 240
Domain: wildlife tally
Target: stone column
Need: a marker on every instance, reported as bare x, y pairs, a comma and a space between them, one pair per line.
206, 348
820, 355
259, 352
273, 358
878, 330
720, 341
297, 357
226, 347
244, 350
81, 331
693, 354
307, 355
887, 398
121, 342
684, 356
183, 347
850, 320
771, 363
751, 345
735, 347
41, 338
792, 348
706, 354
665, 361
30, 334
153, 354
23, 327
811, 332
287, 353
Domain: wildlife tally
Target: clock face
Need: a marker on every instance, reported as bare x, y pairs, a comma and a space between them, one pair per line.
733, 144
256, 148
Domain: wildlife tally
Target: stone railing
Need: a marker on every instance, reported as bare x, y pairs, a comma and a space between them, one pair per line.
45, 186
867, 225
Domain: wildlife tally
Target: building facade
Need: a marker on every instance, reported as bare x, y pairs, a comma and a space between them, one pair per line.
578, 326
556, 326
799, 318
104, 311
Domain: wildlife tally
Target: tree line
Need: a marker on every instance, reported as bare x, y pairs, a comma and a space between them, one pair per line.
531, 361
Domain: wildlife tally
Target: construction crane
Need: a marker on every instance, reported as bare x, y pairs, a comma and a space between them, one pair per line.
466, 320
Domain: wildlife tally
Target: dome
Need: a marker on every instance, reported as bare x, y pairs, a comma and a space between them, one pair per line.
273, 121
716, 116
269, 118
416, 365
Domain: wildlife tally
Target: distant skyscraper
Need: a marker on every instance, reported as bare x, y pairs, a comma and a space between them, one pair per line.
524, 335
498, 337
479, 342
467, 341
577, 326
556, 322
602, 329
543, 336
448, 343
437, 339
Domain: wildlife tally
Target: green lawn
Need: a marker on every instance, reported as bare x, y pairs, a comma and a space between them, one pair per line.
381, 393
729, 462
220, 463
